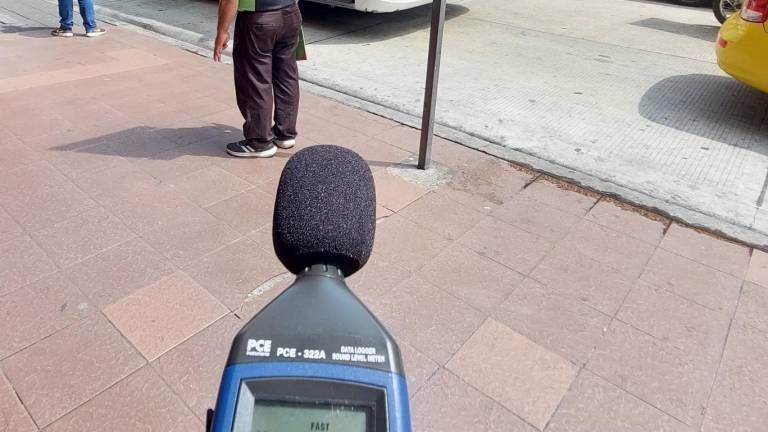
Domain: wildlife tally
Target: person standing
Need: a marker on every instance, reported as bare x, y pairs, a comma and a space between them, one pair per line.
266, 74
66, 13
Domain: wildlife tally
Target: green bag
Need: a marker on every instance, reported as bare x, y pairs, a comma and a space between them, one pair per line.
247, 5
301, 48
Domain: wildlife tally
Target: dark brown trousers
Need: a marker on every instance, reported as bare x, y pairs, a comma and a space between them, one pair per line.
266, 75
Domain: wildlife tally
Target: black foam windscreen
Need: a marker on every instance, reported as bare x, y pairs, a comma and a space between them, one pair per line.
325, 210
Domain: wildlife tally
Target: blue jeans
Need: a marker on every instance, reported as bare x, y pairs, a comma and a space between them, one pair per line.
66, 13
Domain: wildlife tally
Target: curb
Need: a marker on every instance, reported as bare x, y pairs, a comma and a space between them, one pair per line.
199, 44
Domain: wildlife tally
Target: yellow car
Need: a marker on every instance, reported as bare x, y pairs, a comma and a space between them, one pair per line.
742, 45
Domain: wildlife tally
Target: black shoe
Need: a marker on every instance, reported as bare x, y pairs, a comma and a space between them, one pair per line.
251, 149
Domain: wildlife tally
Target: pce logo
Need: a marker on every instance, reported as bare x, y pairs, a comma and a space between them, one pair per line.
259, 348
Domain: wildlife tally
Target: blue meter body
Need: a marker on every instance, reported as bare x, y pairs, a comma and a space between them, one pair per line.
314, 360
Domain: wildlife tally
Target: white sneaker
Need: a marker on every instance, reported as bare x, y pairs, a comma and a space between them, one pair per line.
62, 32
98, 31
284, 144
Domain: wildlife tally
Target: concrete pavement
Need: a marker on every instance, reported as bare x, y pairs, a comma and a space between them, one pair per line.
621, 96
132, 248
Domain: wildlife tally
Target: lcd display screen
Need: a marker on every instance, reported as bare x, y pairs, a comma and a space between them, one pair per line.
282, 417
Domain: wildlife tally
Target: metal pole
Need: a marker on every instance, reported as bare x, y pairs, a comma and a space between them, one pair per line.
433, 76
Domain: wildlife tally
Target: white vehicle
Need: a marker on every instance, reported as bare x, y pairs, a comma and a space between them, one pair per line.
375, 5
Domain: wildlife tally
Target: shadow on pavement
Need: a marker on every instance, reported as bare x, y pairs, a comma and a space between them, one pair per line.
670, 3
323, 24
147, 142
153, 143
32, 32
714, 107
704, 32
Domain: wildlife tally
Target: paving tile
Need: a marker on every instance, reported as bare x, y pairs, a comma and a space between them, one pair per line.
79, 159
513, 247
720, 254
109, 119
15, 155
677, 321
477, 194
448, 404
401, 136
377, 279
364, 122
455, 155
189, 131
171, 165
52, 143
22, 262
418, 367
120, 182
214, 149
380, 155
38, 196
404, 246
9, 229
151, 208
203, 107
37, 123
263, 236
441, 215
263, 295
696, 282
581, 277
39, 310
510, 368
117, 272
245, 212
13, 416
563, 325
499, 172
209, 185
232, 273
479, 281
395, 193
319, 130
669, 378
90, 356
255, 170
382, 212
75, 239
432, 321
739, 395
190, 238
162, 315
758, 267
631, 223
232, 117
613, 248
537, 218
193, 369
753, 306
594, 404
140, 402
556, 196
143, 142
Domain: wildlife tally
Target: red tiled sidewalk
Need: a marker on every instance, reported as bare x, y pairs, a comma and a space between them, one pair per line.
520, 304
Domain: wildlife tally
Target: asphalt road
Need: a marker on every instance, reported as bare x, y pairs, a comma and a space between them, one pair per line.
621, 95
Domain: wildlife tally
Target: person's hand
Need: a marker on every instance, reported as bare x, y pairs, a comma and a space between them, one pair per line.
222, 40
